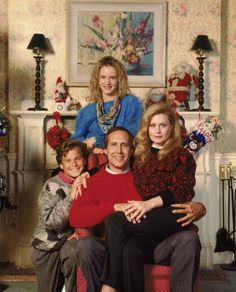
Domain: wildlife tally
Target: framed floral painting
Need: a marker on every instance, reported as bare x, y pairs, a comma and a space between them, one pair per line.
134, 33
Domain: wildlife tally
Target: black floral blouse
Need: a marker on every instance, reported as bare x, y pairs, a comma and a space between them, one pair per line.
172, 178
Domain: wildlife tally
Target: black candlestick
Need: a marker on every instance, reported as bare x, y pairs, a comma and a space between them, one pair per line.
201, 86
201, 44
37, 86
38, 43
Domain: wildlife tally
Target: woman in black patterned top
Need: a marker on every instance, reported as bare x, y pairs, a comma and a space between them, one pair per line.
164, 173
162, 168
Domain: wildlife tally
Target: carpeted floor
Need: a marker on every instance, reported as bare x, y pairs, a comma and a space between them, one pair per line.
15, 279
9, 272
214, 275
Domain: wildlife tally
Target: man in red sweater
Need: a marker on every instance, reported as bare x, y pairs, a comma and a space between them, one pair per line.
107, 192
110, 187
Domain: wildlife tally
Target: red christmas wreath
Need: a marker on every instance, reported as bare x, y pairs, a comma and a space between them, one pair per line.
56, 135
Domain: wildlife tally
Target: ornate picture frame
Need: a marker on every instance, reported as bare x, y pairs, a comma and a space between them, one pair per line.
134, 34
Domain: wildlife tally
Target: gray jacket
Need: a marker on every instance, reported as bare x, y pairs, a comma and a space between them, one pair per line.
53, 221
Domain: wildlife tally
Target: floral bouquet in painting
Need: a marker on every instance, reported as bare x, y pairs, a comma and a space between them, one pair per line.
129, 38
56, 135
204, 132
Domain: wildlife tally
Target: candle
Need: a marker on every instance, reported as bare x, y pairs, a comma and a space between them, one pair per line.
229, 170
222, 172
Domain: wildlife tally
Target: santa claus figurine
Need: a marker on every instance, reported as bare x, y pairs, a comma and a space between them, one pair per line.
61, 97
179, 85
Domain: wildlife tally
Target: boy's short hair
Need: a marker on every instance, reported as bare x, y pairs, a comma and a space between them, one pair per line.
68, 145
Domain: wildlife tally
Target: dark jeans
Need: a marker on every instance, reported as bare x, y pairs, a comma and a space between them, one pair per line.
159, 224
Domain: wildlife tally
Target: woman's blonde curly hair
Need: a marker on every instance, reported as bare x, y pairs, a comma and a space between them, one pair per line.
143, 142
95, 92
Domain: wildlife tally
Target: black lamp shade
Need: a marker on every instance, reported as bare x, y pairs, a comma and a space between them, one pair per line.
38, 42
202, 43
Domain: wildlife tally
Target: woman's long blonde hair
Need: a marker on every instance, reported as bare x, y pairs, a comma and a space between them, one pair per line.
123, 86
143, 142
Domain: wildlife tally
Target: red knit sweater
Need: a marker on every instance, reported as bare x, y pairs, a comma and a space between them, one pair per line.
98, 199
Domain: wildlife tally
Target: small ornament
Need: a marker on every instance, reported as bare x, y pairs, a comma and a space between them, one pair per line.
4, 201
61, 96
229, 170
222, 172
3, 186
4, 124
4, 129
75, 105
155, 95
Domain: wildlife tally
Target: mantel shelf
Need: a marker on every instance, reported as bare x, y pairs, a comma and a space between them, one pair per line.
196, 114
38, 114
185, 114
188, 115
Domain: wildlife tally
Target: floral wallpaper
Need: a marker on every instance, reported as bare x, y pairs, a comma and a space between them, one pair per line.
3, 54
186, 19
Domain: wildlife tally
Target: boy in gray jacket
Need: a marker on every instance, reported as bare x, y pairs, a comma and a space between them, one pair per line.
53, 248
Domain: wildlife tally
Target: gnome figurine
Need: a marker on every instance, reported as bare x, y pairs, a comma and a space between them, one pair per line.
61, 96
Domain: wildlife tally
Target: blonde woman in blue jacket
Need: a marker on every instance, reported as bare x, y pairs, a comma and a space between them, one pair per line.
112, 104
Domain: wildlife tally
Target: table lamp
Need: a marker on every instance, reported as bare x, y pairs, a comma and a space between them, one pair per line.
38, 44
201, 46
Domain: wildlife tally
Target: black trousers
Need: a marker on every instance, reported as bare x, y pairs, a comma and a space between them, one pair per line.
56, 268
123, 236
